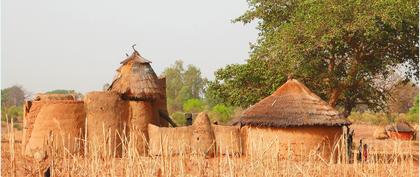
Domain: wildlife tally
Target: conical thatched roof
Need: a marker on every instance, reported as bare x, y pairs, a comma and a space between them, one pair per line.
400, 127
293, 104
136, 79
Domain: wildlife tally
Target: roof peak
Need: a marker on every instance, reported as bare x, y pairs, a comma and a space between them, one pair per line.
136, 57
293, 86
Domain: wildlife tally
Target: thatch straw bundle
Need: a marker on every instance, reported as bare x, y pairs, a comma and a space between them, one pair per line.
293, 104
136, 79
203, 139
59, 122
106, 115
169, 141
228, 139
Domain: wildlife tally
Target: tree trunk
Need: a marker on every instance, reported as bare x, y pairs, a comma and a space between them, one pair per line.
334, 95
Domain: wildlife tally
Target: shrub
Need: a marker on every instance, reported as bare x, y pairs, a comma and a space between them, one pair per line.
193, 105
222, 113
413, 113
179, 118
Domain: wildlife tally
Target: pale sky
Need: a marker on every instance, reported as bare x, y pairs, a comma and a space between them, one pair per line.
78, 44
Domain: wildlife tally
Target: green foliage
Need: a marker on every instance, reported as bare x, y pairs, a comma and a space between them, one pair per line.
193, 105
183, 84
245, 84
221, 113
12, 96
337, 48
370, 118
179, 118
15, 112
413, 113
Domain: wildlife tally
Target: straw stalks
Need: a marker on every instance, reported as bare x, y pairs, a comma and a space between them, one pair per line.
101, 160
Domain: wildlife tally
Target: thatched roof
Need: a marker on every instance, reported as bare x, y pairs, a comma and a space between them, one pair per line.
136, 79
293, 104
400, 127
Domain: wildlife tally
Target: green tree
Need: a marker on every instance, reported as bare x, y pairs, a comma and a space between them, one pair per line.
337, 48
183, 84
413, 113
12, 100
12, 96
222, 112
194, 105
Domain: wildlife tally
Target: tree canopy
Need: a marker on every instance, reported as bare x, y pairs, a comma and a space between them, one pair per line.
183, 84
339, 49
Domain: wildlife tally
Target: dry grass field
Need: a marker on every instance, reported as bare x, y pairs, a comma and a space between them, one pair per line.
400, 162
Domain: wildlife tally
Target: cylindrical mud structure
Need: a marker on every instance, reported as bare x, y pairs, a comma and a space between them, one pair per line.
160, 105
140, 116
59, 124
31, 110
203, 139
106, 115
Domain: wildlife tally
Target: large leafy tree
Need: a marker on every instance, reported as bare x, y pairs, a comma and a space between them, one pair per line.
183, 84
340, 49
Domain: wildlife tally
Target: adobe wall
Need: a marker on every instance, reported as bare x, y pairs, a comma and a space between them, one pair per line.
61, 123
160, 104
169, 141
290, 142
141, 113
228, 140
31, 110
106, 114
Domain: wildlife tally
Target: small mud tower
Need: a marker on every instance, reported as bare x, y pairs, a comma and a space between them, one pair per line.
138, 84
203, 139
106, 115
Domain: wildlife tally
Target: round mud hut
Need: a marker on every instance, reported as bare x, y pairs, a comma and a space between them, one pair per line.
137, 83
400, 131
292, 122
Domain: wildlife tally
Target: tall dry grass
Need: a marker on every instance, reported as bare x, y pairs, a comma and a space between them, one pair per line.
101, 160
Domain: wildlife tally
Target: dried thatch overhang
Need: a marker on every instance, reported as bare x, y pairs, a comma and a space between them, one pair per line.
291, 105
136, 80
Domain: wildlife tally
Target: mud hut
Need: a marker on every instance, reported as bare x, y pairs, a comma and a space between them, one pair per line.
400, 131
137, 82
292, 122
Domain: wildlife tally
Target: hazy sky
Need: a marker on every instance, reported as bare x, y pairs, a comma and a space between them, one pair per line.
78, 44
